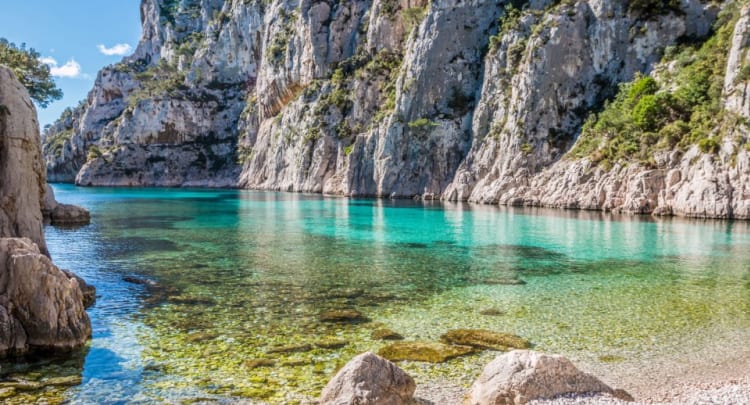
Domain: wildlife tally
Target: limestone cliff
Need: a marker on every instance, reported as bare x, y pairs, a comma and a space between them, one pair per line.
463, 100
41, 306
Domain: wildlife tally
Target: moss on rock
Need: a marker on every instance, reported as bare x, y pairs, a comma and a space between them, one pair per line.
485, 339
431, 352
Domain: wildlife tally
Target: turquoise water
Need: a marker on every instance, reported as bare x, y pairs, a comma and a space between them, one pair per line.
240, 273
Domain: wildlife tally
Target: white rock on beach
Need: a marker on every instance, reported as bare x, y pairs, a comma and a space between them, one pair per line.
369, 379
521, 376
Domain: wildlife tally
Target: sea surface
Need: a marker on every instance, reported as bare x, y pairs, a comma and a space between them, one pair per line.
193, 285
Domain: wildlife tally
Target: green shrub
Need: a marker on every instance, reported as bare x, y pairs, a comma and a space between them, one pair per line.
708, 145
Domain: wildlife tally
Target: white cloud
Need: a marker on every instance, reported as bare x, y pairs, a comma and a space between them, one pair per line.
119, 49
71, 68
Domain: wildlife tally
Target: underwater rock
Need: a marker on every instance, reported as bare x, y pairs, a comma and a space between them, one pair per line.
139, 281
41, 308
21, 385
67, 381
331, 344
385, 334
7, 392
431, 352
345, 293
257, 363
200, 337
503, 281
290, 349
343, 316
369, 379
522, 376
485, 339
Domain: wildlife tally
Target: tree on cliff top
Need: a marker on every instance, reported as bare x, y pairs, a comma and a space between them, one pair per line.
30, 71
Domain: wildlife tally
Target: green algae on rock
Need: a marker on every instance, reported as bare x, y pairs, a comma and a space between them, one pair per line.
343, 316
293, 348
431, 352
485, 339
385, 334
256, 363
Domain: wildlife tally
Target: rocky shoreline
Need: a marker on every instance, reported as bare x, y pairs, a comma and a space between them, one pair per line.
523, 380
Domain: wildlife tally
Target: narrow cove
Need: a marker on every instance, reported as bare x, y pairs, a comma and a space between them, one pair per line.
240, 280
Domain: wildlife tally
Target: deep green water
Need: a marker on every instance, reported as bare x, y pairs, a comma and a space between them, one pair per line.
242, 272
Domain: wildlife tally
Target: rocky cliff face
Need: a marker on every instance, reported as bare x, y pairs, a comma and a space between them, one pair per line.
22, 180
41, 307
462, 100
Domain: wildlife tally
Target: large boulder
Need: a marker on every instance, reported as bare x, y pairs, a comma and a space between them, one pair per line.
41, 307
522, 376
22, 170
369, 379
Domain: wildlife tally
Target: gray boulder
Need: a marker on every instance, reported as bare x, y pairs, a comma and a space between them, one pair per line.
369, 379
41, 307
522, 376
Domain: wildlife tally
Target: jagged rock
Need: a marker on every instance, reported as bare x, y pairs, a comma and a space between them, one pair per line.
68, 214
369, 379
88, 290
41, 308
485, 339
521, 376
63, 214
22, 176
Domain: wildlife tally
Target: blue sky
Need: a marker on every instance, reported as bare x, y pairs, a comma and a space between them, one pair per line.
70, 33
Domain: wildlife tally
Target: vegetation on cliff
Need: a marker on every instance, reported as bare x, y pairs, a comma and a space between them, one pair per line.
679, 105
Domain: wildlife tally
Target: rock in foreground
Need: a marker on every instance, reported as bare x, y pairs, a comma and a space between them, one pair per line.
41, 307
522, 375
369, 379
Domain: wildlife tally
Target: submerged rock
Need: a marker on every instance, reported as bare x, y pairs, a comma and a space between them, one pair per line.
67, 381
369, 379
290, 349
257, 363
343, 316
331, 344
522, 376
385, 334
41, 307
431, 352
485, 339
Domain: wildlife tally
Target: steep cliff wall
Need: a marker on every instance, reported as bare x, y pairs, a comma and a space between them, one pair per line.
41, 307
463, 100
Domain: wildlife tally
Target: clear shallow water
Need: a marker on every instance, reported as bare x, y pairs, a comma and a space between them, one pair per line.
243, 272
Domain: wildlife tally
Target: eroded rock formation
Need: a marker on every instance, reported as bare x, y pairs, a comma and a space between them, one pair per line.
41, 307
473, 100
